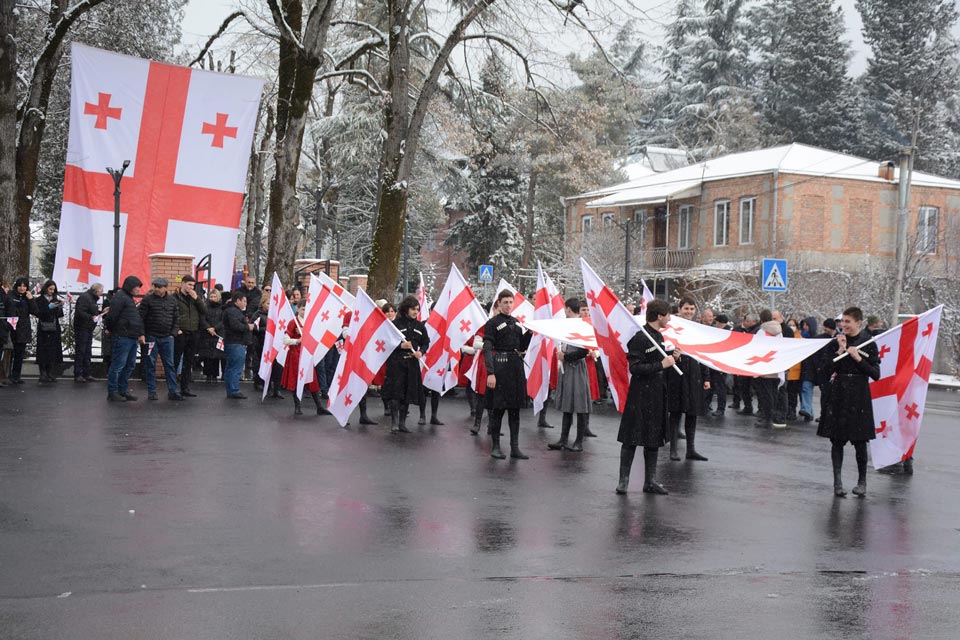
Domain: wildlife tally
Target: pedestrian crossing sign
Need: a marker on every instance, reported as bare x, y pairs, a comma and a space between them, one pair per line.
486, 273
773, 275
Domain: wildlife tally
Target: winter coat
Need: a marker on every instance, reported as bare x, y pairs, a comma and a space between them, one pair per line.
848, 408
793, 373
236, 330
191, 311
212, 318
772, 328
573, 385
85, 311
402, 380
161, 315
291, 366
504, 344
123, 320
819, 361
808, 368
254, 296
685, 394
49, 346
19, 307
4, 325
644, 419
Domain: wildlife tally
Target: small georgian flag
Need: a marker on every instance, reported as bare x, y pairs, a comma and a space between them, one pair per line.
150, 347
220, 343
97, 319
13, 322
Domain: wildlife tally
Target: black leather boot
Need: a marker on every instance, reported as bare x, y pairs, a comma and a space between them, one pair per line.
394, 410
673, 428
317, 400
495, 448
861, 489
586, 431
435, 409
297, 406
836, 456
542, 419
477, 419
626, 462
581, 432
691, 437
565, 424
650, 484
514, 421
364, 418
402, 423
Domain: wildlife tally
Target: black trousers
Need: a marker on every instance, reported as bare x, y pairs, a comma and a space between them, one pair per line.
186, 345
743, 391
81, 359
772, 399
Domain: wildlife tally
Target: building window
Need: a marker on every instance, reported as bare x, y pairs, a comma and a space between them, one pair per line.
640, 226
927, 220
607, 220
748, 207
586, 224
721, 223
685, 226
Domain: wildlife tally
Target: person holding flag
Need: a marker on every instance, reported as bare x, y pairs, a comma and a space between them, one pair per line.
292, 338
402, 384
504, 345
685, 394
644, 419
848, 414
573, 388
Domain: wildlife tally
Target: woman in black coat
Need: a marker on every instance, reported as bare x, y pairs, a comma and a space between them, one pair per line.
213, 358
49, 309
848, 412
644, 419
20, 305
403, 385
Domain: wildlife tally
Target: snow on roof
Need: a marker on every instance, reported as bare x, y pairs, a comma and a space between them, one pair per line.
798, 159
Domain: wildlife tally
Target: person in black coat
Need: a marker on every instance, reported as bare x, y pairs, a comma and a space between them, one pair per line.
237, 338
645, 415
20, 305
685, 393
402, 384
85, 318
161, 323
48, 307
504, 344
848, 415
4, 332
213, 358
123, 321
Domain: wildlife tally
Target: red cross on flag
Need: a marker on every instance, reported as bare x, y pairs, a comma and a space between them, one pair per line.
522, 309
423, 300
279, 316
338, 290
455, 318
370, 341
321, 329
542, 350
187, 134
900, 394
575, 331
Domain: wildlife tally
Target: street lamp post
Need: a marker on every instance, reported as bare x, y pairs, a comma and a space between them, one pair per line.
117, 177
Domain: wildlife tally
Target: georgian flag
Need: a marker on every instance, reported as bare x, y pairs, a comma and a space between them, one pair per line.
187, 134
347, 297
13, 322
279, 317
370, 341
645, 297
220, 346
455, 318
575, 331
522, 309
899, 396
541, 352
322, 323
423, 300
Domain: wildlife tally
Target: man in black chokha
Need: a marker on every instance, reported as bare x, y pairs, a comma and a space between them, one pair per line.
644, 419
685, 392
504, 344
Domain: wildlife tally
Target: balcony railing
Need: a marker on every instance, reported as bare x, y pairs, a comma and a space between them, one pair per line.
668, 259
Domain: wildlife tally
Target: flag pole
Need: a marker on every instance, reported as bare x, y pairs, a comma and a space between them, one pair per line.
643, 329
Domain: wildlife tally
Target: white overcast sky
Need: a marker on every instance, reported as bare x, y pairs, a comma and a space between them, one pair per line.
202, 18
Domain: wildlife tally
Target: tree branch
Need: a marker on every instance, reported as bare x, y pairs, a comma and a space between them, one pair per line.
286, 31
219, 32
349, 73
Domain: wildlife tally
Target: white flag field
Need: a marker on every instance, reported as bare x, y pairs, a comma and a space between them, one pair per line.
455, 318
186, 134
279, 317
322, 323
542, 351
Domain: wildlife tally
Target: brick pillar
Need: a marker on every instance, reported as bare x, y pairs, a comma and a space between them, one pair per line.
303, 269
356, 282
172, 267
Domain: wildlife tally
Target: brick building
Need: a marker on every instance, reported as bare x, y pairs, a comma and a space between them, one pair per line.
799, 202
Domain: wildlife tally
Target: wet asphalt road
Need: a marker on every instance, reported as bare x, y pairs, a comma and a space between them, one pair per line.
221, 519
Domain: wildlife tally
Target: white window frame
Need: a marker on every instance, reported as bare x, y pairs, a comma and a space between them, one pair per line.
752, 202
724, 207
586, 224
927, 239
640, 220
684, 226
607, 220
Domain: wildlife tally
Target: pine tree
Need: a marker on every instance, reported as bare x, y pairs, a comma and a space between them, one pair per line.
910, 76
806, 94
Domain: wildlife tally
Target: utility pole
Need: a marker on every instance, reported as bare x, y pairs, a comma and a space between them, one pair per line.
903, 219
626, 260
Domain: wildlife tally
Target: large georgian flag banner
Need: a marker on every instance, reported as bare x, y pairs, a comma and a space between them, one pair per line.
370, 341
187, 134
455, 318
899, 396
322, 323
548, 304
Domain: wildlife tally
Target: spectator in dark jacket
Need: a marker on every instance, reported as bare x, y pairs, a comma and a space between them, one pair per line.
4, 334
125, 325
161, 321
808, 372
48, 307
86, 316
820, 362
20, 305
213, 358
237, 336
193, 325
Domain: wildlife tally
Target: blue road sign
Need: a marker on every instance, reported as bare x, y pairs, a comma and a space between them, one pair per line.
486, 273
773, 275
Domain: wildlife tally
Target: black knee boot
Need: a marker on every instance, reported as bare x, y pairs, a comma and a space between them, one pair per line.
691, 436
581, 432
650, 484
472, 400
423, 410
586, 429
477, 419
364, 418
673, 429
836, 455
542, 418
434, 409
861, 451
513, 419
402, 422
626, 462
565, 424
297, 407
394, 407
317, 400
496, 419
